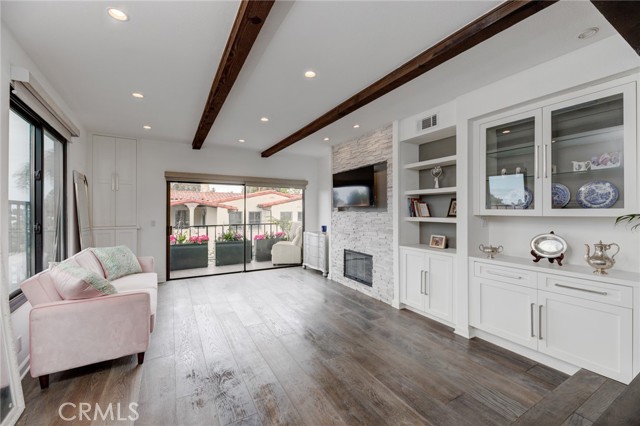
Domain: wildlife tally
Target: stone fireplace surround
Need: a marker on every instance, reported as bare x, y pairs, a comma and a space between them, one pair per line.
366, 230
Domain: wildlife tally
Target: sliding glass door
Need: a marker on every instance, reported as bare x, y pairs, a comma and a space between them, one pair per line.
222, 228
36, 196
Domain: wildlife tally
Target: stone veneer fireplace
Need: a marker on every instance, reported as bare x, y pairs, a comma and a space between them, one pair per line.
365, 230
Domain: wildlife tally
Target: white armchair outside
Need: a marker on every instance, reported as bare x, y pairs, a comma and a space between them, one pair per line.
288, 252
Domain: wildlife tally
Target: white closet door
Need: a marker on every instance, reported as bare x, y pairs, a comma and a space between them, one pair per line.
104, 181
125, 168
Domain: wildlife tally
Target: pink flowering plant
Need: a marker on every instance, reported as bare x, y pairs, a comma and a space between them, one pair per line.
198, 239
230, 235
270, 235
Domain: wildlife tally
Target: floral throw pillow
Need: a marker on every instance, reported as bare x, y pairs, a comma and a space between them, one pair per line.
117, 261
75, 282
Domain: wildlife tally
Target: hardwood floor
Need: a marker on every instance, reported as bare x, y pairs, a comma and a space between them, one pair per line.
288, 347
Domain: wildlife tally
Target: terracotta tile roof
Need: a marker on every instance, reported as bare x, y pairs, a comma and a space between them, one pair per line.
217, 199
275, 203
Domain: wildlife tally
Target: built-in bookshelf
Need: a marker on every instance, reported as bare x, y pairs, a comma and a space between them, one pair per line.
418, 157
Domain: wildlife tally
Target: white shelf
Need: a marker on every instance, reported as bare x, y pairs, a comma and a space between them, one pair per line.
431, 219
425, 247
449, 190
429, 164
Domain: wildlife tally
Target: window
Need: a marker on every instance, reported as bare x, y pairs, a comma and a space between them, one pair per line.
286, 216
36, 195
299, 216
255, 217
182, 218
235, 218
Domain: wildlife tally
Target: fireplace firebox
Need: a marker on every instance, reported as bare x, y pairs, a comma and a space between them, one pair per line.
358, 267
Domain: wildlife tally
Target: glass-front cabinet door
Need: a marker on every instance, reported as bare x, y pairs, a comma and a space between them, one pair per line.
571, 158
590, 155
511, 183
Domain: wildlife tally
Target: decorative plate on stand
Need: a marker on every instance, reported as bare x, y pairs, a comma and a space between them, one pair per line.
528, 198
560, 195
600, 194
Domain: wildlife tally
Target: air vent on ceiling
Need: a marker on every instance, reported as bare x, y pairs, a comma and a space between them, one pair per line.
428, 122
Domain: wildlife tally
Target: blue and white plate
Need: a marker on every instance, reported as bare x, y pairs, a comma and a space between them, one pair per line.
600, 194
560, 195
528, 198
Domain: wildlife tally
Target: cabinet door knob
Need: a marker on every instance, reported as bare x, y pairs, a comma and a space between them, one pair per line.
536, 164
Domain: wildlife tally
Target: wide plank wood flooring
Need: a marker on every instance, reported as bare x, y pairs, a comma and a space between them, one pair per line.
289, 347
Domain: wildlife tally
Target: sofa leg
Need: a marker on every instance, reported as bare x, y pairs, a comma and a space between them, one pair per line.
140, 357
44, 381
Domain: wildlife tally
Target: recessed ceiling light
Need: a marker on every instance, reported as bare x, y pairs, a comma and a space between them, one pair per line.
310, 74
326, 139
137, 95
241, 140
146, 127
589, 32
356, 126
117, 14
264, 119
506, 131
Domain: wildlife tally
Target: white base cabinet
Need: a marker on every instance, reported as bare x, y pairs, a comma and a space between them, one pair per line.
426, 282
316, 252
581, 321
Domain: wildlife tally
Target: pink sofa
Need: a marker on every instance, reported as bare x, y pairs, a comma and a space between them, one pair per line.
65, 334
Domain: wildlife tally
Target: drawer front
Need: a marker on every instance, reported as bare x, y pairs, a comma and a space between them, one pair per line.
612, 294
504, 274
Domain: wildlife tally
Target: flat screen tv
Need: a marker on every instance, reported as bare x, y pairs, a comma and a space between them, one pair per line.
354, 188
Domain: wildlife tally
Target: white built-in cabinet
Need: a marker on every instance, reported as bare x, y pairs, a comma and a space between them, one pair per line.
426, 282
316, 251
114, 195
549, 160
568, 316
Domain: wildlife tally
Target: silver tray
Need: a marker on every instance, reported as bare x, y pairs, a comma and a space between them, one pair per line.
548, 245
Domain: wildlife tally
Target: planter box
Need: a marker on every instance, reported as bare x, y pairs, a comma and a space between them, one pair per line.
188, 256
263, 249
231, 252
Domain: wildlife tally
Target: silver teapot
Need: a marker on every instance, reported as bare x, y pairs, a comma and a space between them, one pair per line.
599, 259
490, 250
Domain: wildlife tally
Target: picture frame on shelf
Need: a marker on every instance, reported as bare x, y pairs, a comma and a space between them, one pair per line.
438, 241
453, 208
423, 209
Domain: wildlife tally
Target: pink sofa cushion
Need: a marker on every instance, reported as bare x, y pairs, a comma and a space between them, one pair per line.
75, 282
89, 261
117, 261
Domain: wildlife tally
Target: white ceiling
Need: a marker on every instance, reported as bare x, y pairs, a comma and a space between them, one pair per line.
170, 51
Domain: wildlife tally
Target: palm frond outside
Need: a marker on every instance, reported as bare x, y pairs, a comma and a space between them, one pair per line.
629, 219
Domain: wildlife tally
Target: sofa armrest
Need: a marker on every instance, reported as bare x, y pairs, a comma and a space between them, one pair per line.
147, 263
73, 333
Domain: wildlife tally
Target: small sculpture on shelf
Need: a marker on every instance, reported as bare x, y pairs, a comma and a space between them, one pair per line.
490, 250
436, 172
599, 259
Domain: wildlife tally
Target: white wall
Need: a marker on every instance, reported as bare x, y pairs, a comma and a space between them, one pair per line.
579, 69
13, 54
156, 157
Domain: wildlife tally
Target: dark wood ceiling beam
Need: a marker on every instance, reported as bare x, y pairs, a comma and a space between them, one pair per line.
499, 19
249, 20
624, 16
